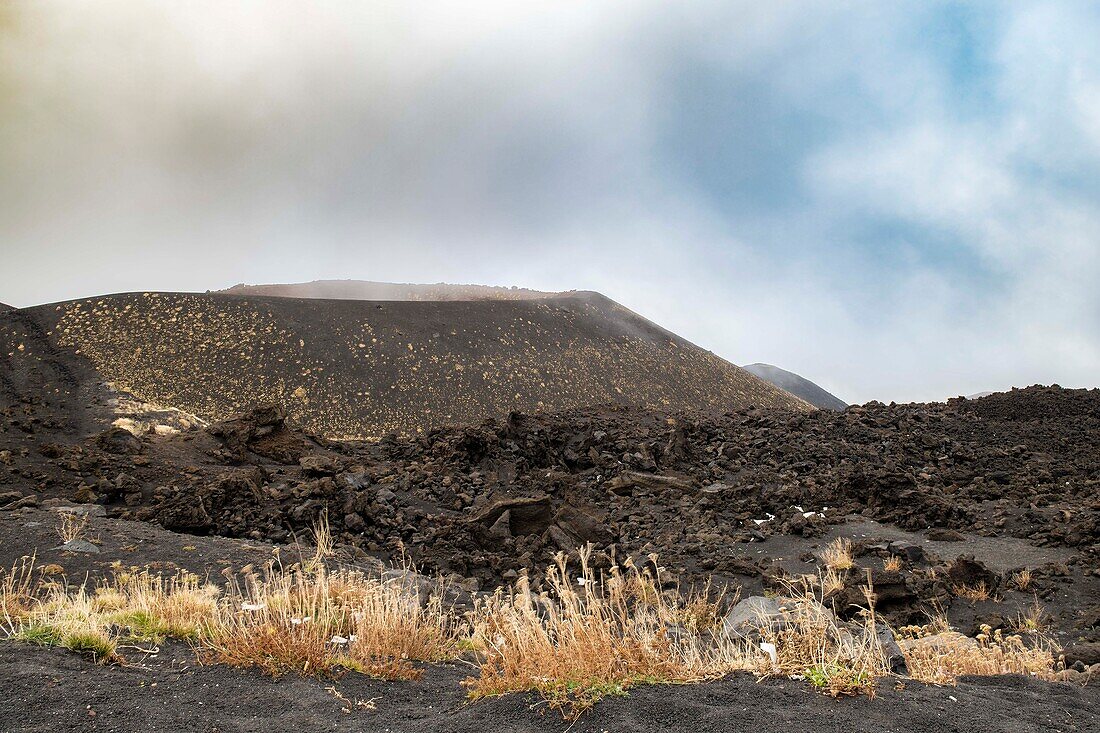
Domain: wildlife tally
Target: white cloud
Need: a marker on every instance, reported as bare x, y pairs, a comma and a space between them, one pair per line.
192, 145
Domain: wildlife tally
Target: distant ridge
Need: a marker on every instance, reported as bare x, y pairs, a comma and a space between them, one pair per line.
360, 368
797, 385
370, 290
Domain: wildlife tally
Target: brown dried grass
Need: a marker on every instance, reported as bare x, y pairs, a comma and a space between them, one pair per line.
837, 555
992, 653
584, 639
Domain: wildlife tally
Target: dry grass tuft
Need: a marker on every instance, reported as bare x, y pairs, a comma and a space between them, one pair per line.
310, 622
892, 564
17, 589
979, 592
66, 618
830, 581
585, 639
324, 545
1022, 579
319, 622
811, 643
71, 526
1034, 620
992, 653
152, 607
837, 555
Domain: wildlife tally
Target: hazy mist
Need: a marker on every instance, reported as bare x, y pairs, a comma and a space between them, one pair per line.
897, 201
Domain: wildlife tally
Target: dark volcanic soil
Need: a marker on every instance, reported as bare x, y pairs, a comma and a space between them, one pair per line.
47, 690
164, 688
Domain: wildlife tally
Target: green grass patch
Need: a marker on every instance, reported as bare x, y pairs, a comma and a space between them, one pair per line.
573, 697
98, 646
145, 626
39, 633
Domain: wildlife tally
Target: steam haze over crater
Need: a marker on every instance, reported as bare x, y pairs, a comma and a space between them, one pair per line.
899, 202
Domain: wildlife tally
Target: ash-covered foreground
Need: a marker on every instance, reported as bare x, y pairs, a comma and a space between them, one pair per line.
52, 690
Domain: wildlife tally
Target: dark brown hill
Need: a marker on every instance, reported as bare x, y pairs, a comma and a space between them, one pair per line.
49, 387
348, 368
797, 385
369, 290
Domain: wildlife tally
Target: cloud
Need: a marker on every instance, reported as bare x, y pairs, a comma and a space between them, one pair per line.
898, 201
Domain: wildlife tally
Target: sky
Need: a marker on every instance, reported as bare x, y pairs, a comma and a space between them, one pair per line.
900, 201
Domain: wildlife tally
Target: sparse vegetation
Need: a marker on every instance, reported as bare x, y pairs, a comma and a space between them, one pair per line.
323, 545
1035, 619
306, 622
992, 653
892, 564
317, 621
71, 526
98, 645
830, 581
1022, 579
811, 643
837, 555
17, 589
580, 640
976, 592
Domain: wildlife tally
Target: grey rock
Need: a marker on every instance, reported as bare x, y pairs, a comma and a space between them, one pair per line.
1085, 652
625, 483
9, 497
79, 546
502, 528
583, 526
529, 515
747, 617
895, 658
909, 551
564, 542
354, 522
119, 441
419, 587
354, 480
89, 510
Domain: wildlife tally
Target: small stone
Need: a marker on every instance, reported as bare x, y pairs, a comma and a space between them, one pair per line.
90, 510
78, 546
354, 522
945, 535
746, 618
319, 465
9, 497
